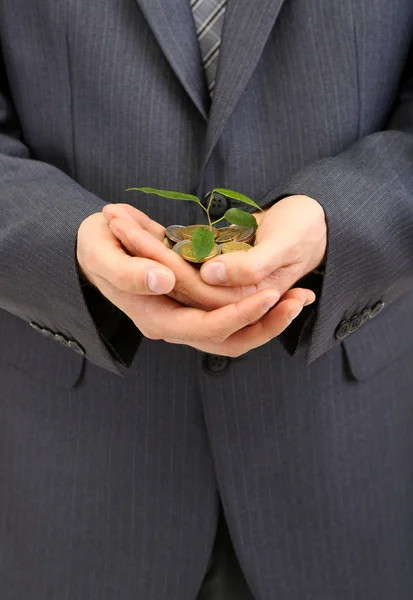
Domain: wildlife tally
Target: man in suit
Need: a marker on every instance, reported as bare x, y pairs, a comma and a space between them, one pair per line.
146, 452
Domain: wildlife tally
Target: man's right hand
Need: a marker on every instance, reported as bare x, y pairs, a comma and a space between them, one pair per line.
137, 286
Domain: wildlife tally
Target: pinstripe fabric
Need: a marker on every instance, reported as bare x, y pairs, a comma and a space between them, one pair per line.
110, 486
209, 21
327, 456
80, 514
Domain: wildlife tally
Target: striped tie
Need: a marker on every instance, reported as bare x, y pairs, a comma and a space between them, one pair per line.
209, 19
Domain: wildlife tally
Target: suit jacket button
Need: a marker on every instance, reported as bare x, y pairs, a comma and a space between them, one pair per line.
219, 205
376, 309
343, 330
355, 323
216, 365
76, 347
365, 315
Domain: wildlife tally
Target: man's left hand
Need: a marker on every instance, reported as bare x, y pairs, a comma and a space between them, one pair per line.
291, 242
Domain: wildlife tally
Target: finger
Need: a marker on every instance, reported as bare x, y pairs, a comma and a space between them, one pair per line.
132, 249
191, 326
268, 327
187, 301
129, 274
115, 226
145, 244
122, 237
308, 296
244, 268
304, 296
188, 280
134, 216
162, 318
299, 293
189, 288
136, 307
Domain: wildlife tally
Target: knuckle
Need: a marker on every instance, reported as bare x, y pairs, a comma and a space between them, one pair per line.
261, 270
121, 279
251, 273
186, 289
126, 280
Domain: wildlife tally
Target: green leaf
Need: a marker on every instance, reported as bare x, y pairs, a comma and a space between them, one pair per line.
240, 217
237, 196
202, 242
166, 194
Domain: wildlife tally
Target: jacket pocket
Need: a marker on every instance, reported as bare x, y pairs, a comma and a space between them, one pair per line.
382, 340
24, 348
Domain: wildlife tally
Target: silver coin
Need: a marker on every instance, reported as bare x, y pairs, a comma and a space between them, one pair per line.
247, 233
173, 233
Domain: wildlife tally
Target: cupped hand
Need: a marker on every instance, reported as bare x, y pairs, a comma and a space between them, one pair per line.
142, 237
291, 242
104, 262
231, 330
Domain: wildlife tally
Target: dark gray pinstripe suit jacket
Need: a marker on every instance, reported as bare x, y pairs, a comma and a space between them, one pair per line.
109, 485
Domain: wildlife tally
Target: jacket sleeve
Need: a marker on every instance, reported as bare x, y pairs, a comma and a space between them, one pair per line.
41, 211
367, 195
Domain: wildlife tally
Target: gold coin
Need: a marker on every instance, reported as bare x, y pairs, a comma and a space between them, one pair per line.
188, 231
168, 243
227, 234
173, 232
235, 247
186, 251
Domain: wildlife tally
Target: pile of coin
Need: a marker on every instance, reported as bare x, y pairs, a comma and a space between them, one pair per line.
227, 239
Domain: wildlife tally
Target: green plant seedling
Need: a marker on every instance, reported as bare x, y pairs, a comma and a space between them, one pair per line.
202, 238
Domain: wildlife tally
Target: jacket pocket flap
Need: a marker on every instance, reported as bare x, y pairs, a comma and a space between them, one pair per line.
24, 348
383, 339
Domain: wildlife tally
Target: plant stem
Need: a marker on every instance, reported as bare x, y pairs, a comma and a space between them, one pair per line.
203, 207
207, 214
218, 220
207, 210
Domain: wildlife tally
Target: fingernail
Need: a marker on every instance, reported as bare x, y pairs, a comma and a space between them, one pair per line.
158, 281
310, 298
294, 314
214, 273
108, 216
269, 303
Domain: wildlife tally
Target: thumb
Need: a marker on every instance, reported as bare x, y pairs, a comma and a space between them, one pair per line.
244, 268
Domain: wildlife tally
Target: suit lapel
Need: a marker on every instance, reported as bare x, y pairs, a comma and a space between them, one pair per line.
247, 26
174, 28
